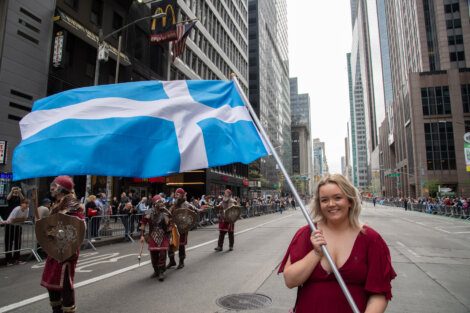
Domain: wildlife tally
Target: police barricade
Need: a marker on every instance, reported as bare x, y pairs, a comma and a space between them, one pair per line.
120, 225
438, 209
17, 238
466, 213
206, 217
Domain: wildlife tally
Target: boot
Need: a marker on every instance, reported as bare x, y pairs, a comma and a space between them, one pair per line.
231, 240
57, 308
161, 274
172, 262
181, 265
155, 273
70, 309
220, 242
55, 301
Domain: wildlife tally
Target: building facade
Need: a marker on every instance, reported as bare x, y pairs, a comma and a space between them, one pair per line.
25, 40
51, 46
358, 119
352, 126
302, 167
269, 87
430, 79
320, 164
367, 72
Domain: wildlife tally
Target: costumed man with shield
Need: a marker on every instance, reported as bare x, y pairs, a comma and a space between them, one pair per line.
158, 218
229, 212
61, 235
184, 217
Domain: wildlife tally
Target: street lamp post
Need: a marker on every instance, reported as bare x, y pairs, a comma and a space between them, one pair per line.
102, 47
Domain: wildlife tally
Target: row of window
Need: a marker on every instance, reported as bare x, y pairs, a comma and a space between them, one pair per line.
435, 100
440, 149
192, 60
454, 33
215, 29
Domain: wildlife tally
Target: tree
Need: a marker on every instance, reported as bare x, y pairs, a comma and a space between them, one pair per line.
432, 187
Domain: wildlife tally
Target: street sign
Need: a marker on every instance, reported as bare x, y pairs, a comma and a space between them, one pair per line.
466, 149
393, 175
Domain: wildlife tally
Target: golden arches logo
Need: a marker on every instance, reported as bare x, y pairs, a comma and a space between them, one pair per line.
170, 12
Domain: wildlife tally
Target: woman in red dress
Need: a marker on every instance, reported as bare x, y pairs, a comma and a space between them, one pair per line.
359, 252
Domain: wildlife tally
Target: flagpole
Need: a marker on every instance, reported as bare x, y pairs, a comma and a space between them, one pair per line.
340, 280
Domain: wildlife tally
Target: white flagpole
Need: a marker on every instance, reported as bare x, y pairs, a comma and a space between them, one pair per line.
340, 280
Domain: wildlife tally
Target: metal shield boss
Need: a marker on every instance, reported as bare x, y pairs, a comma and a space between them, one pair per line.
232, 214
184, 219
60, 235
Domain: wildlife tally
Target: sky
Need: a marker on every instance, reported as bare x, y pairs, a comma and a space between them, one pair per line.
320, 35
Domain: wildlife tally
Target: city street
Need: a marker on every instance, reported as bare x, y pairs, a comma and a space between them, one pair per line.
431, 255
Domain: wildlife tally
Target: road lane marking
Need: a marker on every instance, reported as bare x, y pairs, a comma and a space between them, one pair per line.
43, 296
441, 230
80, 269
408, 249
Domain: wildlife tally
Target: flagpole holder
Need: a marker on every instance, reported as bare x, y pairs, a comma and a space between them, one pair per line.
265, 137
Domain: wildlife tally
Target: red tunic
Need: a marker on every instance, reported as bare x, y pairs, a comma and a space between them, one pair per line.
367, 271
223, 225
160, 233
53, 276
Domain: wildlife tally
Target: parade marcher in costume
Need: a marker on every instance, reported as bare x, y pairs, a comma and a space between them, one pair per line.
158, 218
359, 252
58, 277
180, 203
224, 226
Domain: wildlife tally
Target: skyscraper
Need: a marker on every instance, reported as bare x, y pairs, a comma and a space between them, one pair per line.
320, 164
302, 171
358, 119
215, 48
429, 45
269, 81
367, 77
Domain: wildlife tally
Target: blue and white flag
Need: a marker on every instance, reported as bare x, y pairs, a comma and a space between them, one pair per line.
139, 129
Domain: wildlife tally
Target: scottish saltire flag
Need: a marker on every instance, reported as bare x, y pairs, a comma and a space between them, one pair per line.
139, 129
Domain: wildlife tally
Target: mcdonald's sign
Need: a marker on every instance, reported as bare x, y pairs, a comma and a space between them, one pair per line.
164, 29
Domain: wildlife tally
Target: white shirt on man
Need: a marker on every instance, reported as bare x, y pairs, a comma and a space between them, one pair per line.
17, 213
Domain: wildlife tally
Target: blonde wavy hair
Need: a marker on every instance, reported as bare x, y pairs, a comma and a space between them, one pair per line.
348, 190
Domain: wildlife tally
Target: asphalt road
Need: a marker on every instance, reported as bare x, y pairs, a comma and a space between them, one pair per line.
431, 255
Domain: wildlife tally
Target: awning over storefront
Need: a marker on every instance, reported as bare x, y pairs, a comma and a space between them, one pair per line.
86, 35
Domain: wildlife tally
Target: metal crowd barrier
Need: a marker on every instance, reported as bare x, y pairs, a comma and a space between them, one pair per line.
124, 225
431, 208
17, 238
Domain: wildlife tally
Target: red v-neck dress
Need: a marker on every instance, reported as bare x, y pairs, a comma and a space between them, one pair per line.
367, 271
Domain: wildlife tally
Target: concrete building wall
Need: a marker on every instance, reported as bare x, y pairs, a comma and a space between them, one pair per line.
429, 57
25, 53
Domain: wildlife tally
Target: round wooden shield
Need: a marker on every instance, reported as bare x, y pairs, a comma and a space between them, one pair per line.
60, 235
184, 219
232, 214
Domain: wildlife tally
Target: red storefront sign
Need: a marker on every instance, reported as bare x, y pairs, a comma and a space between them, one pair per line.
160, 179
